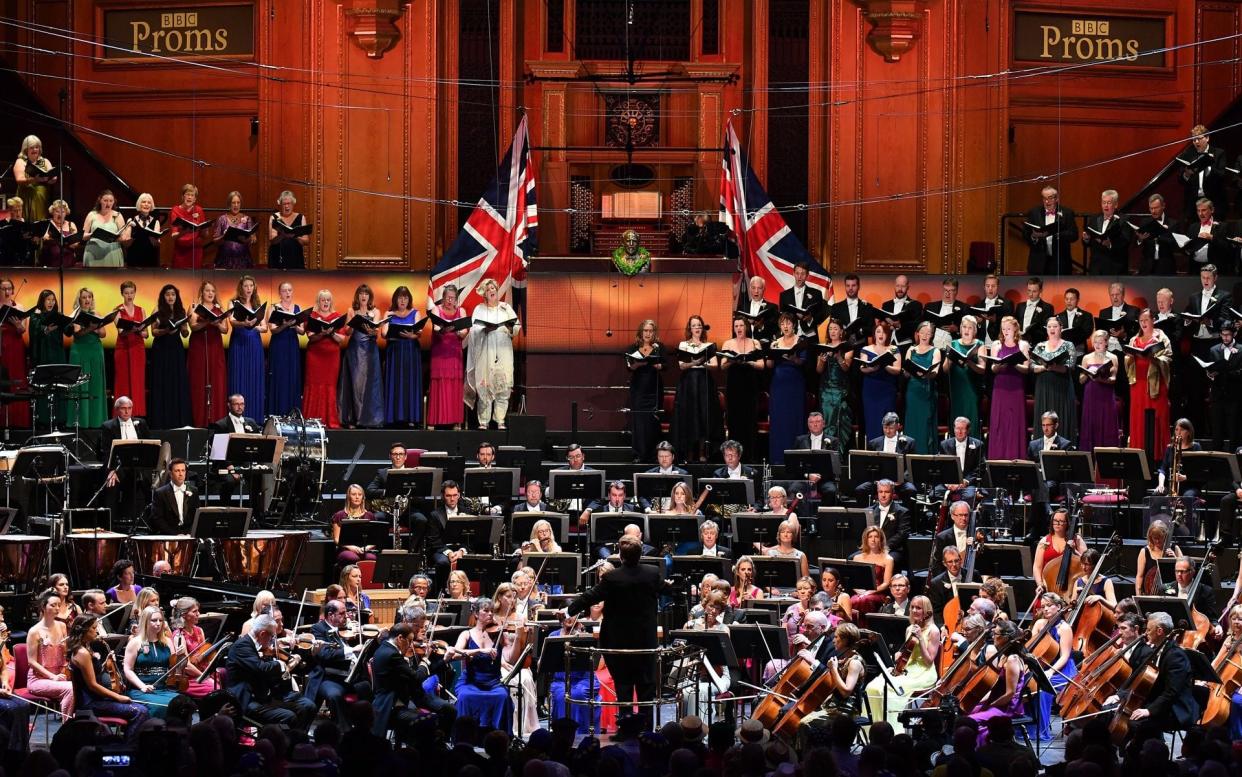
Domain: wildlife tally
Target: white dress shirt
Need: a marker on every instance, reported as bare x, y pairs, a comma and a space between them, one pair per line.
736, 474
239, 423
1050, 443
179, 493
1049, 218
959, 536
128, 431
890, 444
851, 308
817, 442
1028, 314
1205, 299
960, 445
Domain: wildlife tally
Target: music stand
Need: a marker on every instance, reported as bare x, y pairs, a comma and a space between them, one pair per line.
1014, 475
216, 523
93, 518
511, 457
1128, 465
1067, 466
552, 655
717, 646
414, 482
498, 484
763, 615
937, 469
672, 529
489, 572
801, 463
245, 449
607, 528
563, 569
116, 619
776, 571
476, 534
62, 376
1177, 608
587, 485
656, 485
873, 466
693, 568
522, 523
842, 527
749, 528
775, 606
729, 491
1000, 558
1214, 469
759, 641
1167, 566
855, 575
892, 628
451, 467
395, 567
362, 533
134, 454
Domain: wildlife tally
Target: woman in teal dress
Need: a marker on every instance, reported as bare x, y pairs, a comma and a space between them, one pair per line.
966, 375
148, 658
921, 415
88, 406
1054, 380
834, 388
103, 219
47, 346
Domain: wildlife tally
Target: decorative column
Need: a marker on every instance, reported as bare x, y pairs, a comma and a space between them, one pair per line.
895, 25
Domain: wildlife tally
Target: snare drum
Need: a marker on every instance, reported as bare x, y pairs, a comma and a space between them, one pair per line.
254, 559
92, 554
176, 549
22, 559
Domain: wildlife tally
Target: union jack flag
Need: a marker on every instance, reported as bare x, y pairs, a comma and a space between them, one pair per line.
767, 245
499, 237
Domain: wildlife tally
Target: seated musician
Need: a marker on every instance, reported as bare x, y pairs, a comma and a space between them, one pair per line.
377, 490
804, 641
892, 518
1229, 651
940, 588
958, 536
458, 586
331, 662
91, 678
1184, 434
485, 456
1061, 669
666, 457
1102, 590
744, 588
355, 509
1005, 698
529, 598
971, 626
848, 677
892, 441
1228, 512
788, 537
899, 597
630, 530
920, 651
679, 502
733, 468
237, 422
995, 591
263, 602
970, 454
188, 637
420, 586
1168, 706
357, 603
804, 591
534, 499
872, 551
174, 504
69, 609
1055, 545
256, 678
431, 529
708, 544
397, 679
124, 590
134, 491
1205, 594
95, 602
148, 657
542, 540
580, 681
840, 608
1049, 440
513, 611
615, 503
1147, 578
712, 620
816, 439
1132, 627
479, 692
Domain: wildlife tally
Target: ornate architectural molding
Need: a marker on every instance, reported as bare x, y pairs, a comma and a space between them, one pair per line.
895, 25
372, 25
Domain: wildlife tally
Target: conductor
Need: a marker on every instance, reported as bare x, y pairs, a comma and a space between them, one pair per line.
631, 597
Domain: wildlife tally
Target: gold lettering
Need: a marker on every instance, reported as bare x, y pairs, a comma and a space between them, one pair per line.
198, 40
180, 41
1132, 50
141, 31
1109, 48
222, 39
1052, 36
1090, 48
156, 38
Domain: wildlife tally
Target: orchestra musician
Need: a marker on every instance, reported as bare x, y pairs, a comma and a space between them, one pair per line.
940, 588
920, 651
188, 637
580, 681
899, 597
970, 455
432, 527
1102, 590
331, 662
839, 606
124, 426
1062, 669
256, 678
1229, 647
1147, 575
354, 509
90, 668
708, 544
1229, 507
848, 676
817, 439
714, 606
1205, 595
957, 535
399, 673
1168, 705
788, 536
892, 518
174, 504
1055, 544
1005, 698
1187, 491
533, 499
148, 656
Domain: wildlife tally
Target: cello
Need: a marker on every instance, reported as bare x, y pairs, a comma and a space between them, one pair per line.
958, 672
1202, 626
985, 678
1101, 675
815, 695
1134, 691
795, 675
1216, 711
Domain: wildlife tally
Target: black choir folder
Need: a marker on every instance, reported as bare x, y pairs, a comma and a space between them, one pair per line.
703, 354
489, 326
315, 325
280, 317
87, 319
125, 325
456, 325
243, 313
191, 225
207, 314
283, 230
238, 234
395, 330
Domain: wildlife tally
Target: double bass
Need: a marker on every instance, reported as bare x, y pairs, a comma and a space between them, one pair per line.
1063, 570
1093, 623
1202, 625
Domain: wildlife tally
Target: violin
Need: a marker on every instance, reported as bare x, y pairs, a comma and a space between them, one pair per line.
117, 679
903, 655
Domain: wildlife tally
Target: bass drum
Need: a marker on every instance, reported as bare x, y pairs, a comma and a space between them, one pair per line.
298, 479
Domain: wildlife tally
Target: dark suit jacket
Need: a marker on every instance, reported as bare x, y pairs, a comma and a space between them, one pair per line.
723, 472
1169, 701
1035, 333
896, 527
1220, 250
1005, 308
911, 311
975, 456
941, 541
631, 595
378, 484
940, 591
1064, 233
696, 549
110, 431
601, 506
866, 314
1115, 258
523, 507
1164, 265
225, 426
810, 297
1213, 182
766, 326
1131, 314
395, 679
1228, 382
253, 679
1080, 333
904, 444
329, 663
803, 443
676, 469
164, 518
1194, 306
1036, 446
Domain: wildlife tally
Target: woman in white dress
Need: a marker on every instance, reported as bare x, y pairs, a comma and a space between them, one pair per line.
489, 357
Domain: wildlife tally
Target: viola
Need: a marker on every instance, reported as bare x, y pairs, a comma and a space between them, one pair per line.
117, 679
903, 655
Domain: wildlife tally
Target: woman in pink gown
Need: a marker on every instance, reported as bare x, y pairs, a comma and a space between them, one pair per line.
446, 397
129, 357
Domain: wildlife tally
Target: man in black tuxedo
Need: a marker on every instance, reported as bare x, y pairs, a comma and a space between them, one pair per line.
666, 464
893, 520
956, 536
1229, 506
733, 467
332, 660
1169, 705
970, 454
892, 441
1203, 334
946, 315
816, 439
1108, 238
396, 679
173, 504
1226, 389
236, 422
1048, 440
1217, 249
806, 298
255, 680
1033, 314
615, 503
1076, 323
761, 312
378, 487
854, 308
1051, 231
1155, 239
631, 596
708, 544
901, 312
1120, 320
1205, 179
534, 499
997, 306
1205, 595
128, 489
429, 531
940, 587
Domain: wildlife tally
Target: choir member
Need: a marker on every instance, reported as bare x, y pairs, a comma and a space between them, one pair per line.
286, 251
834, 387
853, 308
1052, 230
284, 355
148, 656
922, 419
445, 403
478, 690
233, 253
1007, 415
805, 298
787, 392
1107, 238
55, 251
360, 397
743, 377
18, 246
13, 358
901, 313
946, 314
323, 365
47, 346
1226, 384
1034, 313
920, 672
129, 355
188, 242
87, 665
489, 356
1101, 426
103, 220
696, 410
354, 509
760, 312
966, 373
1216, 248
403, 368
996, 307
247, 371
1155, 239
89, 404
170, 380
1076, 323
646, 389
1203, 314
879, 383
1052, 365
208, 372
1202, 179
1119, 318
33, 187
142, 249
47, 677
1148, 376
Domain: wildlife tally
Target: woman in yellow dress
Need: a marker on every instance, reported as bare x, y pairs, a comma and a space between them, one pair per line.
923, 635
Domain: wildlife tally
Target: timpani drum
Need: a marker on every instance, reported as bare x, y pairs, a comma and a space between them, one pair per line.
291, 557
254, 559
92, 554
176, 549
22, 559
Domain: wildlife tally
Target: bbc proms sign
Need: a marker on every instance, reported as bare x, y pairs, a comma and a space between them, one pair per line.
1080, 38
179, 31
